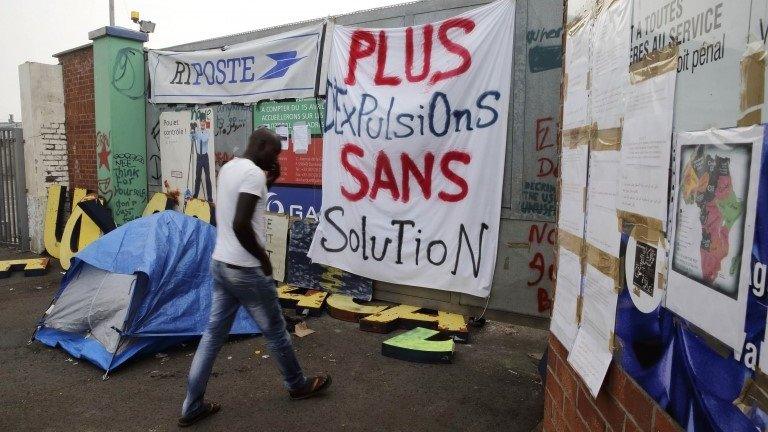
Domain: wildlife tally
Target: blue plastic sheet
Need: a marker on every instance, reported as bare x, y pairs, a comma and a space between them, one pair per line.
695, 384
171, 254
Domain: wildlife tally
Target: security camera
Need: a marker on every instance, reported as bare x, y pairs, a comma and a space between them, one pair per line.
144, 26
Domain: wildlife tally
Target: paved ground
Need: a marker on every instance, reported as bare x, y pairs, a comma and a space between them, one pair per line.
492, 384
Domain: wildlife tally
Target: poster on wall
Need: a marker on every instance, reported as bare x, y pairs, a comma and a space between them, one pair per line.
712, 37
276, 67
277, 243
609, 63
187, 154
406, 196
296, 202
712, 229
232, 127
565, 319
299, 125
646, 148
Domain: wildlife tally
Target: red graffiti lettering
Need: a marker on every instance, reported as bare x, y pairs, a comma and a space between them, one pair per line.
538, 233
544, 138
546, 168
537, 263
543, 300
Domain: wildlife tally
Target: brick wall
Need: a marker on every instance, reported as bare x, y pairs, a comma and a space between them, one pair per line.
621, 405
79, 105
54, 153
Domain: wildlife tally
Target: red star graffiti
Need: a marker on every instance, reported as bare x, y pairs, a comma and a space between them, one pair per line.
104, 156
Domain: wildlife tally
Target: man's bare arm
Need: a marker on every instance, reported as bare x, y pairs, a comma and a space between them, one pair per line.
246, 205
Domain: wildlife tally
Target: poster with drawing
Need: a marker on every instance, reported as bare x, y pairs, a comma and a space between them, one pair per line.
233, 125
712, 229
187, 154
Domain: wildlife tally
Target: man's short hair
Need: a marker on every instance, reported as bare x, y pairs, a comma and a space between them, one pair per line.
261, 138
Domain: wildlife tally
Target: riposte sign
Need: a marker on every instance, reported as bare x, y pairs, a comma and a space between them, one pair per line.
278, 67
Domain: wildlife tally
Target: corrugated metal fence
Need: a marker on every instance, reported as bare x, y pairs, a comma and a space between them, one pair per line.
14, 230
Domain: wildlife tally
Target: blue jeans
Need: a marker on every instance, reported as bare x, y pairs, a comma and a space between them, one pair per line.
258, 294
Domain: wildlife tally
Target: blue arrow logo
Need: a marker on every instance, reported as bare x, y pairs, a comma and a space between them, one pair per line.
283, 61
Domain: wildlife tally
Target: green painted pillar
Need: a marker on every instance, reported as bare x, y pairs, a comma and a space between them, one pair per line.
119, 93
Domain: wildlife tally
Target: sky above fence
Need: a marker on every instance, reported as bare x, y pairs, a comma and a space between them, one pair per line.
33, 30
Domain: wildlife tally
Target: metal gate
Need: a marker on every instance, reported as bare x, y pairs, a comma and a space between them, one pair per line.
14, 230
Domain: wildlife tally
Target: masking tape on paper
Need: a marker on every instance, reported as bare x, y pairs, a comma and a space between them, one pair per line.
570, 242
606, 140
752, 88
645, 228
577, 23
579, 306
605, 263
654, 64
572, 138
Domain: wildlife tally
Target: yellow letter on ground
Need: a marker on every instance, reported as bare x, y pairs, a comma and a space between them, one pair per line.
156, 204
390, 319
199, 209
310, 300
343, 307
53, 209
89, 232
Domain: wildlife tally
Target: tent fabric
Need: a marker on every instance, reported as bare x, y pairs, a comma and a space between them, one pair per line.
96, 302
169, 253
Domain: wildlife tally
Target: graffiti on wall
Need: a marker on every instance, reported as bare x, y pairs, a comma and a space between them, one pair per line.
154, 173
539, 193
103, 153
541, 240
231, 131
121, 183
303, 273
539, 164
545, 50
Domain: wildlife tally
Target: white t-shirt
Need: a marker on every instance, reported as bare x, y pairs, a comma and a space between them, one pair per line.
236, 176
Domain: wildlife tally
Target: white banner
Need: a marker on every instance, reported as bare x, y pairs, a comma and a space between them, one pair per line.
277, 67
414, 144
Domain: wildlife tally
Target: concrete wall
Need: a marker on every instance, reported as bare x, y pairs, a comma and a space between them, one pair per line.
77, 67
45, 145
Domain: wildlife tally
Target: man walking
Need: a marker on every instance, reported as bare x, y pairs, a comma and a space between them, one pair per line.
242, 275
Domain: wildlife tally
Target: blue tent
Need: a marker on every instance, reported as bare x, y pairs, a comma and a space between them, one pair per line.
137, 290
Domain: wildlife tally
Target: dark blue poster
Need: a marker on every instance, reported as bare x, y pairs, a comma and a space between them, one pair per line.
298, 202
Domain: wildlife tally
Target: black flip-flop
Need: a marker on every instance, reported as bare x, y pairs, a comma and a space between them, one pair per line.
208, 409
312, 388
